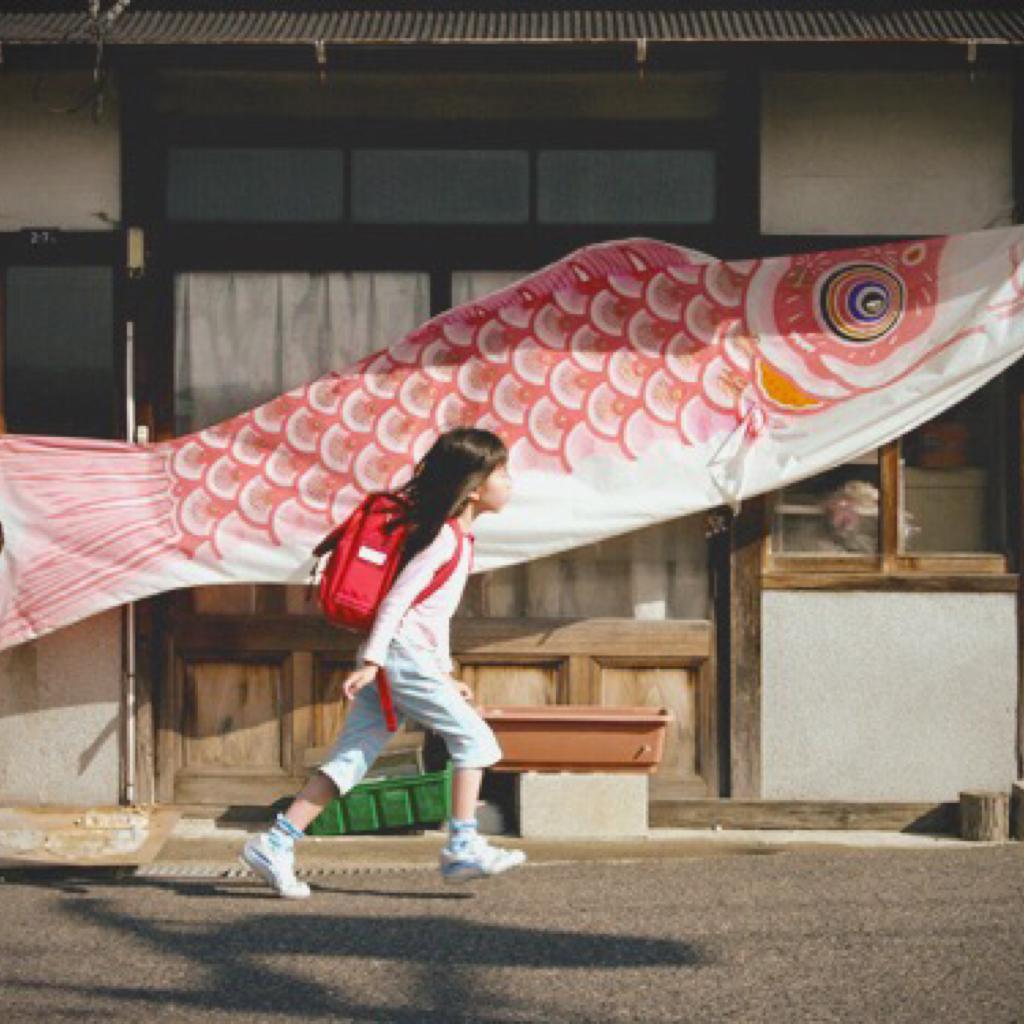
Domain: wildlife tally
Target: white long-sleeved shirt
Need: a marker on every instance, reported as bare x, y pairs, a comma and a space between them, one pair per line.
424, 625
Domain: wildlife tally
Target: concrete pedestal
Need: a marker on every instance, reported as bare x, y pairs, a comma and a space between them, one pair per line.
577, 805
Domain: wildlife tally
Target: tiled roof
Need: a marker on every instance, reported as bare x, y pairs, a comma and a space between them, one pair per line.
825, 21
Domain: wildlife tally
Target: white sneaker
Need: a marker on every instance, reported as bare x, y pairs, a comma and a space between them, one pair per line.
275, 867
478, 859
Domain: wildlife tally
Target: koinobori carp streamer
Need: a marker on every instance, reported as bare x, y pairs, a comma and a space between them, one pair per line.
633, 381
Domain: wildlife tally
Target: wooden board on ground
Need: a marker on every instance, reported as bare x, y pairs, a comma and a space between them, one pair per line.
83, 836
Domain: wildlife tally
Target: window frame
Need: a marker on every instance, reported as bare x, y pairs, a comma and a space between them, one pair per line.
72, 249
531, 136
891, 564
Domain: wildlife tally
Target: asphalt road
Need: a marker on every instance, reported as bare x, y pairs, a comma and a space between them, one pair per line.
862, 935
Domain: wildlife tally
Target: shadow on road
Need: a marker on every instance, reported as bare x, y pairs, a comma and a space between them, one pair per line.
243, 966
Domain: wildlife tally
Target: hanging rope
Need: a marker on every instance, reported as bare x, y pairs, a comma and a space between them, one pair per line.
100, 24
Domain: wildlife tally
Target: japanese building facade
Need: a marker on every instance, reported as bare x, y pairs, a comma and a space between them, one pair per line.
259, 200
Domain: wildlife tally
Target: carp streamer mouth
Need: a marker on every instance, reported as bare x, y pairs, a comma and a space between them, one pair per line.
862, 302
783, 390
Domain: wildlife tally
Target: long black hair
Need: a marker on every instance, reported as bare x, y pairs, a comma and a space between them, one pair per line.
458, 461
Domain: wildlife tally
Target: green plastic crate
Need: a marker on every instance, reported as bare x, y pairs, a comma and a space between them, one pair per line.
410, 802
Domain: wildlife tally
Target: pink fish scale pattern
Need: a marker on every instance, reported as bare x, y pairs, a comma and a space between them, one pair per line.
571, 363
614, 349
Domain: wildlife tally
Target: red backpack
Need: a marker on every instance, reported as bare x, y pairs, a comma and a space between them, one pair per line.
364, 552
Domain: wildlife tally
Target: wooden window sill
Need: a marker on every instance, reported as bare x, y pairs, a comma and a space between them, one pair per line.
901, 582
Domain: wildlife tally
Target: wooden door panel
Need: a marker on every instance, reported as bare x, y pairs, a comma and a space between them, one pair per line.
233, 715
506, 682
246, 599
236, 599
330, 708
673, 688
226, 726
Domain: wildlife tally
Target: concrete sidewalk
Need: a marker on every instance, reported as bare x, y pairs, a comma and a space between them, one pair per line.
197, 842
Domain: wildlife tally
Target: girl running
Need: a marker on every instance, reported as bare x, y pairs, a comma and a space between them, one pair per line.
464, 475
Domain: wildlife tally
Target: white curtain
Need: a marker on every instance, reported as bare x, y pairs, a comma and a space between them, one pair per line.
242, 338
657, 573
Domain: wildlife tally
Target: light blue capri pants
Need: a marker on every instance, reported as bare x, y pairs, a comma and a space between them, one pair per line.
421, 694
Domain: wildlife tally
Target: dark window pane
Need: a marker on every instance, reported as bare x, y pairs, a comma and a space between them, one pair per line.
59, 352
440, 186
954, 487
256, 185
588, 186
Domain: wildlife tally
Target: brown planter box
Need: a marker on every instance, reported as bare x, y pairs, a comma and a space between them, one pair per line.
579, 738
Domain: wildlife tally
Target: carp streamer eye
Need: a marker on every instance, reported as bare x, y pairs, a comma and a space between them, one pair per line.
861, 302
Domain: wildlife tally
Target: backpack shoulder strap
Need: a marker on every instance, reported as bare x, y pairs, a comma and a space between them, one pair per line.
444, 574
353, 521
329, 542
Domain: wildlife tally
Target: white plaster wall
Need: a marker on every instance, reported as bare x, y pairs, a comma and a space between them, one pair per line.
890, 154
59, 716
57, 170
903, 697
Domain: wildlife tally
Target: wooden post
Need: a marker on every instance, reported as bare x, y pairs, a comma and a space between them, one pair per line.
891, 508
145, 725
1015, 510
746, 556
984, 816
1014, 469
1017, 810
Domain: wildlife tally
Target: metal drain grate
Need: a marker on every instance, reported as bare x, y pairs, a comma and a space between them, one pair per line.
233, 871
